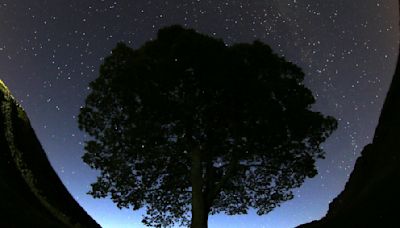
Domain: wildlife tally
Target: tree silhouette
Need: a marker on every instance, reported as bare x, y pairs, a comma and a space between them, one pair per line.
187, 123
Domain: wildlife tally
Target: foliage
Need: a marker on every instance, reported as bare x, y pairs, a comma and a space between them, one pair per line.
241, 109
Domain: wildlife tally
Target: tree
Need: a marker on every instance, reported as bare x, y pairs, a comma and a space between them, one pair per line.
187, 123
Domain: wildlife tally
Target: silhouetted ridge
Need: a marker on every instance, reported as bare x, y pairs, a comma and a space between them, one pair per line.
371, 195
33, 195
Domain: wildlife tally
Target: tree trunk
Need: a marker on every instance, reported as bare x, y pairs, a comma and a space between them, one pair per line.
199, 207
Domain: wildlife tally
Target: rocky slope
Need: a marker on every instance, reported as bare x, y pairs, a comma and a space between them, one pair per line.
372, 194
32, 193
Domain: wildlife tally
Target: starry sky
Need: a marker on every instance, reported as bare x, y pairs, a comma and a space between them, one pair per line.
51, 49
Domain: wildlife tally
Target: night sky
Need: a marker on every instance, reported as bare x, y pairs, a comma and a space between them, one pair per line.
51, 49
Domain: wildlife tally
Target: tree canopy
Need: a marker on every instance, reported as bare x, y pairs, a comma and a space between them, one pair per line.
186, 123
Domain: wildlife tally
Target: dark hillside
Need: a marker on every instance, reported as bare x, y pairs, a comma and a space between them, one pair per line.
33, 195
371, 195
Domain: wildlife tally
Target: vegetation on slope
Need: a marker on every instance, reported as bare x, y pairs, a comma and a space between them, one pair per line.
33, 193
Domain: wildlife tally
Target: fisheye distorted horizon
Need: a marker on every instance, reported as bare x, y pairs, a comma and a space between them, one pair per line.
51, 50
